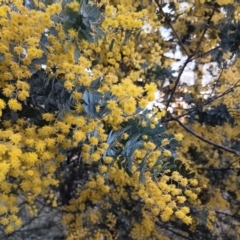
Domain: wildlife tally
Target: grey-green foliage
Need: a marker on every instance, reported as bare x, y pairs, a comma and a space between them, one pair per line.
94, 100
158, 72
86, 21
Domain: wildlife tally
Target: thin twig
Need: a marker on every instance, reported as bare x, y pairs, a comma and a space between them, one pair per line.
215, 84
189, 59
171, 230
219, 169
224, 93
207, 102
205, 53
171, 26
204, 32
177, 81
227, 214
204, 139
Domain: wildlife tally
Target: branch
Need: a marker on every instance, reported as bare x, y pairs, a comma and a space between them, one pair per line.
204, 139
215, 84
172, 231
186, 52
177, 81
223, 94
204, 32
208, 101
189, 59
205, 53
219, 169
227, 214
171, 26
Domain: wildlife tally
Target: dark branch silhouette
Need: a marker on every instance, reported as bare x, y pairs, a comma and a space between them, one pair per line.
204, 139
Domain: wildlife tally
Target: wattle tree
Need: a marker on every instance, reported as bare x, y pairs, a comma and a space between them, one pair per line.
120, 119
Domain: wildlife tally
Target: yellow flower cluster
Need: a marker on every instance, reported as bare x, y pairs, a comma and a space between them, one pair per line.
182, 214
30, 153
29, 160
24, 36
74, 6
167, 197
160, 199
116, 17
53, 9
223, 2
211, 219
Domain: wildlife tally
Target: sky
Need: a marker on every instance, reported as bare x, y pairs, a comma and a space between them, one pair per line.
188, 76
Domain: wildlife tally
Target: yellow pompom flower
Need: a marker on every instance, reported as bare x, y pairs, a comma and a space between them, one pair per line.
14, 210
77, 95
3, 149
100, 180
3, 209
31, 157
165, 142
125, 136
54, 203
103, 169
144, 137
74, 6
22, 95
40, 146
143, 103
184, 182
9, 229
187, 220
178, 137
14, 105
95, 157
68, 85
30, 172
167, 153
79, 121
111, 104
4, 221
41, 5
22, 85
4, 11
91, 184
186, 210
144, 124
180, 214
7, 91
48, 116
166, 214
15, 138
181, 199
18, 222
72, 33
190, 194
2, 104
93, 141
193, 182
161, 114
54, 8
129, 108
152, 87
176, 176
151, 96
108, 160
79, 135
4, 167
86, 148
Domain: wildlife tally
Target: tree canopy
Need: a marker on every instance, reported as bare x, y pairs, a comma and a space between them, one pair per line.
121, 116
